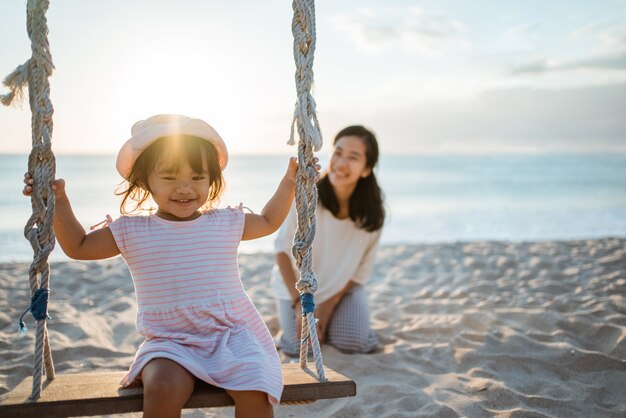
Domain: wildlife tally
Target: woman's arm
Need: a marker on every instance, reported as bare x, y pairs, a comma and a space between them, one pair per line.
70, 234
325, 310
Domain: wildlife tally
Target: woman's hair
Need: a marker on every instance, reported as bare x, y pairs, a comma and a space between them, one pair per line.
366, 203
173, 151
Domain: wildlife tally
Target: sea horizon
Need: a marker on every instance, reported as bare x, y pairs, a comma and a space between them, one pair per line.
434, 198
412, 153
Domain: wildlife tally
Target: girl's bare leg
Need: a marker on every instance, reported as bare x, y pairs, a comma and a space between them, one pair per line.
166, 387
251, 404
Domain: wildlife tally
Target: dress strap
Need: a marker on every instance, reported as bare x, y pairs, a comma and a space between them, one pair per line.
240, 207
104, 223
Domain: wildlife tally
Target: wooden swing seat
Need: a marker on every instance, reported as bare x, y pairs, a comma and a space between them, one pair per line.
86, 394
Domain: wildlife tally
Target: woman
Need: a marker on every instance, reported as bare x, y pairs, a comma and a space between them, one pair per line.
350, 217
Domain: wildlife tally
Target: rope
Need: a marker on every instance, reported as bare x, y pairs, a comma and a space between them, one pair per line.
41, 164
306, 123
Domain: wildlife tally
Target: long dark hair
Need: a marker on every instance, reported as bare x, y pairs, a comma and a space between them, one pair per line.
366, 203
175, 150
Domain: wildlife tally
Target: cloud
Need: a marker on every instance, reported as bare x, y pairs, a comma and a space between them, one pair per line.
610, 35
609, 53
411, 30
531, 67
615, 61
523, 36
605, 62
587, 119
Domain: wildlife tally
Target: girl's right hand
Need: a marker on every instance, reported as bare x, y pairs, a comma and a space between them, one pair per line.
58, 186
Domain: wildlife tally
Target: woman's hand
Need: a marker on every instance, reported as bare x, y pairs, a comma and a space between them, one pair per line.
58, 186
323, 314
297, 313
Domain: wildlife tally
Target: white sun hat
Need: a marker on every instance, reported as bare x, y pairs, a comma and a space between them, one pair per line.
145, 132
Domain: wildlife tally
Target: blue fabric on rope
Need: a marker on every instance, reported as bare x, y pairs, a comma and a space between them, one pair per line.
308, 306
306, 300
38, 307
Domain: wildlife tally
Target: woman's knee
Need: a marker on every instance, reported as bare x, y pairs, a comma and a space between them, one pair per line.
289, 340
289, 346
356, 343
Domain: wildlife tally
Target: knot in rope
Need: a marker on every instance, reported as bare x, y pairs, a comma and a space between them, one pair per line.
299, 248
38, 307
307, 282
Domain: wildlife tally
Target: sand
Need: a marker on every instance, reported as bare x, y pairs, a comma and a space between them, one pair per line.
467, 329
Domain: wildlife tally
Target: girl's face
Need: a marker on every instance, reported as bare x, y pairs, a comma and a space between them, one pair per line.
348, 162
179, 193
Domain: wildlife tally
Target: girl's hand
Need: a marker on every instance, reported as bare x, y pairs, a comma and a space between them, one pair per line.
58, 186
317, 168
276, 209
293, 168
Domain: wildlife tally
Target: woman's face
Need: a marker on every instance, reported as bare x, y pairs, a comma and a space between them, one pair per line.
348, 162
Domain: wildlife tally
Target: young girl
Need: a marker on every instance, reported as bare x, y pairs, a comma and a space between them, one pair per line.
197, 320
350, 216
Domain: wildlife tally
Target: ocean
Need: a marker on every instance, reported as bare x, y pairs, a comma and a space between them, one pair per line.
429, 198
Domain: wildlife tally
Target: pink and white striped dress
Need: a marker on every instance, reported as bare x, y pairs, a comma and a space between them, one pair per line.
192, 307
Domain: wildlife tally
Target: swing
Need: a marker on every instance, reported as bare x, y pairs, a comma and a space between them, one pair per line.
81, 394
99, 393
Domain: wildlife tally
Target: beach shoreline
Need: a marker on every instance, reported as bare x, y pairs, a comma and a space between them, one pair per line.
482, 328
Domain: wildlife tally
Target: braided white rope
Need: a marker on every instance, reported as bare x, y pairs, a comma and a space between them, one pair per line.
307, 126
41, 164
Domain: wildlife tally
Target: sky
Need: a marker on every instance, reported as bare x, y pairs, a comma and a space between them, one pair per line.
440, 76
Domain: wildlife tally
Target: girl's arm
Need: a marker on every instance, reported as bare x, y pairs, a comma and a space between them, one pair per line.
276, 209
70, 234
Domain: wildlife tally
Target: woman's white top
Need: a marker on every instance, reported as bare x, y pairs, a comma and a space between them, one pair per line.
341, 252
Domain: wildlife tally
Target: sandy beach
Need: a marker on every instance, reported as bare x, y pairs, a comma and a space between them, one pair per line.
473, 329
